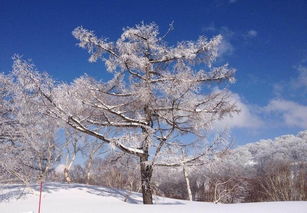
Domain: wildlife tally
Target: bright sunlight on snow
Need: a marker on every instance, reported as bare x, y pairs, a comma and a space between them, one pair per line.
78, 198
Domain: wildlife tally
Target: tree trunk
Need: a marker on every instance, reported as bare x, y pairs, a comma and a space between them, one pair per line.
66, 176
186, 177
146, 173
88, 174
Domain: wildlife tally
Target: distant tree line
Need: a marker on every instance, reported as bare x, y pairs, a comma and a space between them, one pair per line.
268, 170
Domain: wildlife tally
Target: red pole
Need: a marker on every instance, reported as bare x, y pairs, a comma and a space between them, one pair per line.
40, 196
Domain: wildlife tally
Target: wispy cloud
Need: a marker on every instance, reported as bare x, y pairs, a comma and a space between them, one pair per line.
226, 47
246, 118
301, 80
288, 108
279, 112
233, 1
292, 114
230, 37
295, 86
251, 34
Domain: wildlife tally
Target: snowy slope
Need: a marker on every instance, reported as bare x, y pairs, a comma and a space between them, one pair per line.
78, 198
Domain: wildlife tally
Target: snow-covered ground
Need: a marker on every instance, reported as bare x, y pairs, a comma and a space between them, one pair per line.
78, 198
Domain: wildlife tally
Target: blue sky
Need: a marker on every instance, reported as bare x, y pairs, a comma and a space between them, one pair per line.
266, 41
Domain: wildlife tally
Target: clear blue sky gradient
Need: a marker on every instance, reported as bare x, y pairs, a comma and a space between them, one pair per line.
41, 30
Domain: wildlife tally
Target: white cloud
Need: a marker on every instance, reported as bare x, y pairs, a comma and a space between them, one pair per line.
246, 118
285, 112
301, 80
278, 89
225, 48
251, 34
292, 114
295, 86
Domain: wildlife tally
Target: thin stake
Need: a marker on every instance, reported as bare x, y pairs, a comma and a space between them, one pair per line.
40, 196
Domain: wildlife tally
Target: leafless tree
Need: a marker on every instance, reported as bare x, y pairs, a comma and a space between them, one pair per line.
159, 93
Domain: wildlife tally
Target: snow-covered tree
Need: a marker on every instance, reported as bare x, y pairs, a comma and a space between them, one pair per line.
160, 96
272, 169
8, 125
281, 167
8, 130
28, 141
